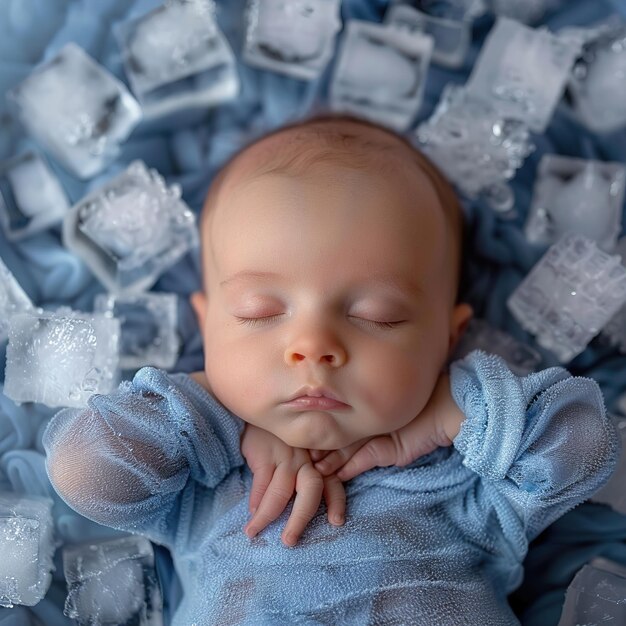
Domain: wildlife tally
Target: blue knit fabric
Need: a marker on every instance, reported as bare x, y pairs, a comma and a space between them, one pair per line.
439, 542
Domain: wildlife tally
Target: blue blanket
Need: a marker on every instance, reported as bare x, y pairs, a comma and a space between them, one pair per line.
498, 256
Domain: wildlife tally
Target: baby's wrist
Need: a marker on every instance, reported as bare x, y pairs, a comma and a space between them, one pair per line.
451, 415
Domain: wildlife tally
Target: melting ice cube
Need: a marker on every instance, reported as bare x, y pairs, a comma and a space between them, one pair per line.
112, 583
294, 37
522, 71
131, 230
31, 196
77, 110
148, 327
577, 196
62, 358
26, 548
380, 73
177, 58
12, 300
569, 295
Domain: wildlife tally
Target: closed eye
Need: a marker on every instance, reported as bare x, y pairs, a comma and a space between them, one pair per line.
259, 321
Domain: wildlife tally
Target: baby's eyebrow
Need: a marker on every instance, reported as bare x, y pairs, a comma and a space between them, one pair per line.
397, 281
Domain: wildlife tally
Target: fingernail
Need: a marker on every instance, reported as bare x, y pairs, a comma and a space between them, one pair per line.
250, 532
290, 539
338, 519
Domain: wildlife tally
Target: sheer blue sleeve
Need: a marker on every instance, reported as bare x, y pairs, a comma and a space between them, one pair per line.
543, 443
125, 460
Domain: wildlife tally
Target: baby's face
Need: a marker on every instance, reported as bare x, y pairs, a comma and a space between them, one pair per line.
330, 283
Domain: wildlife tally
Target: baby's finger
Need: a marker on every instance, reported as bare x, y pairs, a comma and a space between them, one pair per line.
337, 458
318, 455
335, 497
260, 481
309, 488
275, 499
378, 452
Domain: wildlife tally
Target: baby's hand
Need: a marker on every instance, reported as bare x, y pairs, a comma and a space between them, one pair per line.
280, 470
436, 425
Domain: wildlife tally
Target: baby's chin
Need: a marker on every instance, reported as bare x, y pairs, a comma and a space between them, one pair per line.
316, 430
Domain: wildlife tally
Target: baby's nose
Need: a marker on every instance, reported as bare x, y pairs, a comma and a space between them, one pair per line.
316, 348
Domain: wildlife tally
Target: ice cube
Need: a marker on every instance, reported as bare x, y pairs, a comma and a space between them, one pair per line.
451, 37
131, 230
293, 37
12, 299
615, 330
569, 295
522, 71
177, 58
112, 583
148, 327
380, 73
596, 90
576, 196
478, 148
613, 492
62, 358
77, 110
26, 547
480, 335
31, 196
595, 597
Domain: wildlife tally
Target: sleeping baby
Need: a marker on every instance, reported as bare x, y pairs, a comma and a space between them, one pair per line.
331, 255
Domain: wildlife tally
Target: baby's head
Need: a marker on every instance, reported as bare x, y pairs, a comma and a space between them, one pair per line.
331, 259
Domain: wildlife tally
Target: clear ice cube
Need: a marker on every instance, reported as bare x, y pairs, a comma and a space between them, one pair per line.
113, 583
451, 37
60, 359
177, 58
380, 73
569, 295
595, 597
77, 110
26, 547
596, 90
148, 327
477, 147
131, 230
613, 492
31, 196
480, 335
576, 196
12, 300
522, 71
293, 37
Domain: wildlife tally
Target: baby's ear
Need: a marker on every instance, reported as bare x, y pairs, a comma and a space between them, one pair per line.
460, 318
199, 303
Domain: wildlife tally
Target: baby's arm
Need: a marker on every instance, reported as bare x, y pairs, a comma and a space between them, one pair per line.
280, 471
125, 459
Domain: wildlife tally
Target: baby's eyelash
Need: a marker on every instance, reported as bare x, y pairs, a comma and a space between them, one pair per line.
255, 321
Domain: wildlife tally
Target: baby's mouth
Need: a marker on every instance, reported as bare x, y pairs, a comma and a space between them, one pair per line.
316, 402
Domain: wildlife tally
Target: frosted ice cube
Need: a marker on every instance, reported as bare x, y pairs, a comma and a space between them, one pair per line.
293, 37
613, 492
380, 73
77, 110
615, 330
26, 547
596, 90
176, 58
480, 335
595, 596
31, 196
569, 295
522, 71
12, 299
62, 358
131, 230
451, 37
148, 327
577, 196
478, 148
112, 583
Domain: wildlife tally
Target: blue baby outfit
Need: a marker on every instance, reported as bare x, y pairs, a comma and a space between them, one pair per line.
439, 542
